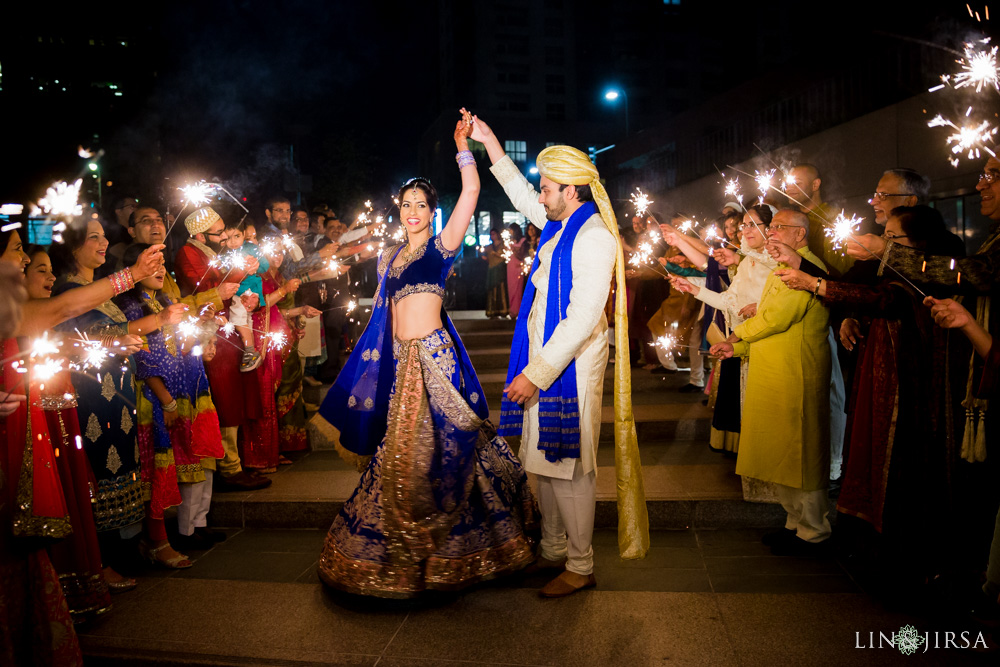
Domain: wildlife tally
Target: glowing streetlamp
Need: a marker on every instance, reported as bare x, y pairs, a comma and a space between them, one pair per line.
612, 95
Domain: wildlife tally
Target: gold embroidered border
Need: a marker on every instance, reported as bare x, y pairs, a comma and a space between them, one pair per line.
339, 571
505, 170
541, 374
417, 288
397, 271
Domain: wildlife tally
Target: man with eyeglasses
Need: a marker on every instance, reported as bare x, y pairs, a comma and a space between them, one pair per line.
898, 187
785, 431
974, 276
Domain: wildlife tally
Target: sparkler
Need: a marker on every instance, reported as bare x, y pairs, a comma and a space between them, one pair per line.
979, 68
526, 264
92, 353
277, 339
967, 138
62, 199
351, 305
733, 189
188, 328
843, 228
48, 369
507, 251
642, 255
228, 328
197, 194
764, 181
641, 202
667, 343
43, 347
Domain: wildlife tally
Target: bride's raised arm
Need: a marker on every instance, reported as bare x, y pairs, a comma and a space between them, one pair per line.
465, 207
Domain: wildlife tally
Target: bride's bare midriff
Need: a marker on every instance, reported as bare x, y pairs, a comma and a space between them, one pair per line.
416, 315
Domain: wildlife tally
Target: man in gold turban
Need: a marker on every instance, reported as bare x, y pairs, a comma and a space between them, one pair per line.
555, 380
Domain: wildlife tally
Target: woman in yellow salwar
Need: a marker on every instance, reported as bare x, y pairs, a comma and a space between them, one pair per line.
443, 502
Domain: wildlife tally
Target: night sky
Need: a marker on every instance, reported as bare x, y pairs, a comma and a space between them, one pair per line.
226, 87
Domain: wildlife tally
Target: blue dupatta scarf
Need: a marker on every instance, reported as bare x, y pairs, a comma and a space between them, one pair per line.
358, 402
558, 410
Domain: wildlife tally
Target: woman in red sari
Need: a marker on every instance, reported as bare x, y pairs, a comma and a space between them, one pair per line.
273, 337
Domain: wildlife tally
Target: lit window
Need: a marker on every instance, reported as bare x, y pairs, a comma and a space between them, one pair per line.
517, 150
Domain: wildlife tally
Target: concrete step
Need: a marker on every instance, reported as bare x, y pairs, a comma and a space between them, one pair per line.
686, 484
469, 321
476, 340
490, 358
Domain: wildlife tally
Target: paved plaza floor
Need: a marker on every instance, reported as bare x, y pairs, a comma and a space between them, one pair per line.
701, 597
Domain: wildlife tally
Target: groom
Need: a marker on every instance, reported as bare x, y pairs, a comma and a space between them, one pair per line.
555, 380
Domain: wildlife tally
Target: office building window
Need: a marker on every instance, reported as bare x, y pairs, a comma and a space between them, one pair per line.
518, 152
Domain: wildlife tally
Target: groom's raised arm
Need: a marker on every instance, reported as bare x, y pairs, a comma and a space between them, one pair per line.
517, 187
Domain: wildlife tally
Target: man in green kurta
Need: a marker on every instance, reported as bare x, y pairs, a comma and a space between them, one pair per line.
785, 433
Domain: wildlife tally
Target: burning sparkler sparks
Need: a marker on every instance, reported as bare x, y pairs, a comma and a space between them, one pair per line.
667, 343
979, 68
62, 199
277, 339
228, 328
48, 369
507, 251
733, 189
188, 328
92, 352
967, 139
44, 346
197, 194
642, 256
843, 229
764, 181
526, 264
641, 202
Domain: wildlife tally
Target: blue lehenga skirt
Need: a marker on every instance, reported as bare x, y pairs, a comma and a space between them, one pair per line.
443, 503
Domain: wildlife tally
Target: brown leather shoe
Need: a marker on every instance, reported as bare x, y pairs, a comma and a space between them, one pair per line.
241, 481
560, 587
545, 564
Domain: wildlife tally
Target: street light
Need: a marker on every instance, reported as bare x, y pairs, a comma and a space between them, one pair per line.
612, 96
96, 168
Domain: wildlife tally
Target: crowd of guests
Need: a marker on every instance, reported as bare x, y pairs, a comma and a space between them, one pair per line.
840, 376
132, 392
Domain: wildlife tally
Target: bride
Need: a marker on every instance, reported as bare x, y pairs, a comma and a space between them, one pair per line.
443, 502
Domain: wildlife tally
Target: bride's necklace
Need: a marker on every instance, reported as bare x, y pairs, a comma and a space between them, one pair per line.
408, 254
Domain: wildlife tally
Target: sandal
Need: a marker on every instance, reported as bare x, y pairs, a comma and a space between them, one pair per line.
284, 460
178, 562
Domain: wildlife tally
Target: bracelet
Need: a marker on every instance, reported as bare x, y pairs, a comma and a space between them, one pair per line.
819, 282
465, 159
170, 407
122, 281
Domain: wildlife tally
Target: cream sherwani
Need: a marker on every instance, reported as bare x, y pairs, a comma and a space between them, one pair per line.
582, 335
567, 488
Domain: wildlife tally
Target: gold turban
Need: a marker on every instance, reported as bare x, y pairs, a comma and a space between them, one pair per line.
200, 221
569, 166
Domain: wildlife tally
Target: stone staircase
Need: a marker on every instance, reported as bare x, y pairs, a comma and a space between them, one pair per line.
686, 484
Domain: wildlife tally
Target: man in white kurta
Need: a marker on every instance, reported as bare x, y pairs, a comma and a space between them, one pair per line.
566, 487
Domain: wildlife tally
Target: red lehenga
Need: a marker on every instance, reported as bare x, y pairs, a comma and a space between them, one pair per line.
261, 441
35, 625
77, 559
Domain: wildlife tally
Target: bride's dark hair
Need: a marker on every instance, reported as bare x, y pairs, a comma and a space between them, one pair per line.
424, 186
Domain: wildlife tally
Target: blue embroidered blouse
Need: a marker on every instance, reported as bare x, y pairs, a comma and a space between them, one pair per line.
425, 272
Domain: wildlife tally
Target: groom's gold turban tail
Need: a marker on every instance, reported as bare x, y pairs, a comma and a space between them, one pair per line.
568, 166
